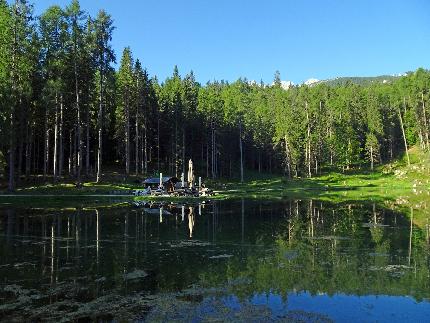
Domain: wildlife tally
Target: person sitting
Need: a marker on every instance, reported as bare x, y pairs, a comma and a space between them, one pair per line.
170, 187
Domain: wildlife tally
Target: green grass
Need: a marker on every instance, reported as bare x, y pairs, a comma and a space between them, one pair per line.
395, 185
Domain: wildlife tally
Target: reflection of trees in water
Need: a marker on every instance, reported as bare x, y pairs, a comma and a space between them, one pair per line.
336, 248
319, 246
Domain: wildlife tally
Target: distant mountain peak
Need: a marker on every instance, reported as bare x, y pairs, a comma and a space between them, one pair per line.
311, 81
286, 84
363, 80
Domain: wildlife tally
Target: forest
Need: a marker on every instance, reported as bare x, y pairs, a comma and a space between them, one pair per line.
67, 113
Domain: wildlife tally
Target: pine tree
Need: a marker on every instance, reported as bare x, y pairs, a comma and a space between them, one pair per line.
126, 91
104, 55
20, 71
76, 48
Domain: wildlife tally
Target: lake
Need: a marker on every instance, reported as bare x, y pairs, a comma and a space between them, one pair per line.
242, 261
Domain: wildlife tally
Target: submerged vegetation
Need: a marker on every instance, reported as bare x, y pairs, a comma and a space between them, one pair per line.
173, 262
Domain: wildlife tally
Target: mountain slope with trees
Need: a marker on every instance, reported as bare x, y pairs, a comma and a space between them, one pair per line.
362, 80
66, 113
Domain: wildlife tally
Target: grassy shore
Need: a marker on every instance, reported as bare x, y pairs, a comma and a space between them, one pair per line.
395, 184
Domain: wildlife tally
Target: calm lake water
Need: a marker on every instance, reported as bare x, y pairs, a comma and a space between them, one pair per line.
239, 261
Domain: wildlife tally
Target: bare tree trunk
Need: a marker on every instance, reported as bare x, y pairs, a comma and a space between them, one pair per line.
241, 152
87, 145
137, 140
46, 151
75, 154
309, 157
28, 148
56, 139
127, 138
78, 149
61, 140
12, 150
213, 151
78, 132
391, 147
175, 150
348, 157
288, 156
371, 157
36, 153
158, 143
21, 114
259, 162
183, 150
142, 148
202, 167
316, 166
173, 160
403, 132
11, 185
145, 150
426, 130
100, 131
70, 152
422, 142
207, 159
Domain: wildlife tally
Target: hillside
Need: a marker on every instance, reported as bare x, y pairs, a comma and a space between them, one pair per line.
366, 80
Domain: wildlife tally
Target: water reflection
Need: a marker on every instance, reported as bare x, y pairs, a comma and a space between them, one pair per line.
247, 248
191, 220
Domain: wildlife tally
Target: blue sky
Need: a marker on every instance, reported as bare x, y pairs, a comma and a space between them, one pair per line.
228, 39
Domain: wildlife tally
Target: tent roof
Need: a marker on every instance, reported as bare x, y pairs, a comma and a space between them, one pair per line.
156, 180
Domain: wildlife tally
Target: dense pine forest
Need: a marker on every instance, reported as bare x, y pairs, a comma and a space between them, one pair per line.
67, 113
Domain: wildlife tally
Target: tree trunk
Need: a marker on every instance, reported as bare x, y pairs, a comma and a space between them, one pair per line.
175, 150
11, 185
403, 133
213, 150
56, 139
371, 157
21, 114
87, 144
207, 159
309, 156
316, 166
12, 150
137, 140
78, 132
28, 148
46, 151
36, 164
288, 156
145, 149
172, 155
158, 143
79, 143
426, 130
100, 131
183, 150
127, 138
75, 154
70, 152
241, 152
348, 159
61, 140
